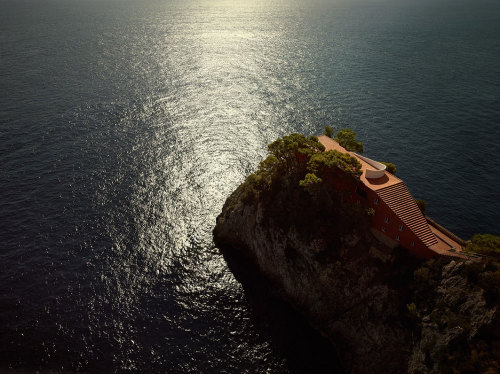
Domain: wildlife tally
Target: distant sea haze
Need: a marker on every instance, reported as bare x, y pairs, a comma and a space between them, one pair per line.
124, 125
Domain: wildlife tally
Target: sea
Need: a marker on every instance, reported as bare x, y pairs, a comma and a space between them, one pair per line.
125, 124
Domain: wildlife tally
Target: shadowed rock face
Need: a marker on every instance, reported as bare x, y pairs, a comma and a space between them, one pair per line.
458, 311
341, 293
352, 288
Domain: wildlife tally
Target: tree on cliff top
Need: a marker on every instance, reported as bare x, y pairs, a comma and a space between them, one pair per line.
323, 165
287, 155
285, 149
291, 152
347, 139
329, 160
328, 131
296, 158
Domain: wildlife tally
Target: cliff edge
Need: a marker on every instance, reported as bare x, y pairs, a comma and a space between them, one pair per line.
384, 309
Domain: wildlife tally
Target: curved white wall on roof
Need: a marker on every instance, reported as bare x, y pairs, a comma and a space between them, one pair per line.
377, 172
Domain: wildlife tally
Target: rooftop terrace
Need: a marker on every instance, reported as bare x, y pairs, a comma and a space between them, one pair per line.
374, 184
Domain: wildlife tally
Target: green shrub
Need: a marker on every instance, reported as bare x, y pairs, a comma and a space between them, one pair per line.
485, 244
323, 162
347, 139
328, 131
311, 183
390, 167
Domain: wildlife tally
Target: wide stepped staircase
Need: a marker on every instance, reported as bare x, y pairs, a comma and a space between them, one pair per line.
399, 199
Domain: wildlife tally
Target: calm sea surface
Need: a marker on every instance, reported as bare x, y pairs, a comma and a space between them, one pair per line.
124, 125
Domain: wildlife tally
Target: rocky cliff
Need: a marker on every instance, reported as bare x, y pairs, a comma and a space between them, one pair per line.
384, 310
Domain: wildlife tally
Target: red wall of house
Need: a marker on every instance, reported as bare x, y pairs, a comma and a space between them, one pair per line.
367, 197
404, 235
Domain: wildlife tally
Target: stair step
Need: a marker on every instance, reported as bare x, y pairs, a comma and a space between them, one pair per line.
399, 199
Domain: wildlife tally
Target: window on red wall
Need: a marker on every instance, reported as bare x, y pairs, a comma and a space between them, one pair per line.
397, 238
376, 201
400, 227
383, 229
386, 220
412, 244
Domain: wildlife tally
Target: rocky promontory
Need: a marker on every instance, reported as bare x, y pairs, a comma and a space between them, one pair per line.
383, 309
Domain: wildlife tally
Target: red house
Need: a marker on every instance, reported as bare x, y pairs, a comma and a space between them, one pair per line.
397, 219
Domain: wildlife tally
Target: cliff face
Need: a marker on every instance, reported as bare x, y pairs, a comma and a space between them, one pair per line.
457, 327
354, 289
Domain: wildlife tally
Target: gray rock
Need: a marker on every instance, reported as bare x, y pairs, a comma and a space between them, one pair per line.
347, 297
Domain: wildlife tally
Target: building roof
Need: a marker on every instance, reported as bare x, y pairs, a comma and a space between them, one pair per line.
374, 184
401, 202
394, 193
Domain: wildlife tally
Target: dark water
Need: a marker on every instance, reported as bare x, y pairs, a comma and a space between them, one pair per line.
125, 124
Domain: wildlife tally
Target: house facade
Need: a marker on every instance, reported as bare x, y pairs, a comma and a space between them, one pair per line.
397, 220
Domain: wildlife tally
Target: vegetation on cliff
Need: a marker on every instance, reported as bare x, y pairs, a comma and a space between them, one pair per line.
347, 139
486, 273
390, 167
328, 131
294, 184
